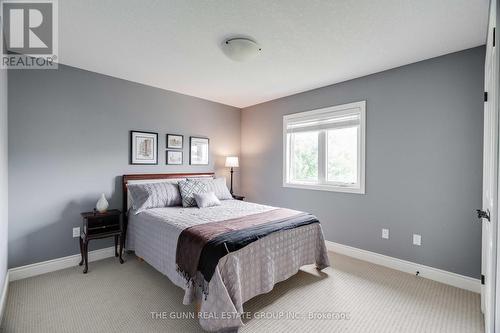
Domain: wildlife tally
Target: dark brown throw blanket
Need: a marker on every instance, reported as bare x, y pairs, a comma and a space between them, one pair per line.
200, 247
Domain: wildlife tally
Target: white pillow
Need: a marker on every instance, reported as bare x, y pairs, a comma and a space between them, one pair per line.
218, 186
204, 200
154, 195
130, 201
188, 189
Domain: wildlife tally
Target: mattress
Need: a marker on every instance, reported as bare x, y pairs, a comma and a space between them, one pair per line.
240, 275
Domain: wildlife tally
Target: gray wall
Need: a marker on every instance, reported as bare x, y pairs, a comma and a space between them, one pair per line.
3, 178
423, 164
69, 142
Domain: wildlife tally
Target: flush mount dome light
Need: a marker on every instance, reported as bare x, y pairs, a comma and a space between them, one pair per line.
240, 49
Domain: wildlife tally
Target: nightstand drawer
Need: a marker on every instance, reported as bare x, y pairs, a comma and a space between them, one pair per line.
102, 229
98, 222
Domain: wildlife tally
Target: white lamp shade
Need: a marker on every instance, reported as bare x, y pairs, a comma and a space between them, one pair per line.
232, 162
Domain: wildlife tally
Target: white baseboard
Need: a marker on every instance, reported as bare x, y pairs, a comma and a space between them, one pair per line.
3, 296
23, 272
452, 279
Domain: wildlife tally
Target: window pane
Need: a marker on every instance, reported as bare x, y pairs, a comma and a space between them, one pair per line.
304, 156
342, 156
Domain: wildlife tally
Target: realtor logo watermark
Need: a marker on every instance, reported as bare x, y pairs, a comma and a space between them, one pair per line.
29, 32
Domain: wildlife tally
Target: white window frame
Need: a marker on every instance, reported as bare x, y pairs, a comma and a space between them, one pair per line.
324, 185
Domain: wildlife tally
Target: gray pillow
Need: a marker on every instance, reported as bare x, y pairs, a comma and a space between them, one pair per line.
154, 195
208, 199
218, 186
188, 188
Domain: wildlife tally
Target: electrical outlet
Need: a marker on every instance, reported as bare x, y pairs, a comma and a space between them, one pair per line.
417, 239
385, 233
76, 232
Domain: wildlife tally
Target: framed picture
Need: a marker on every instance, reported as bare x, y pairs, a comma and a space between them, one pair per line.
143, 147
174, 157
198, 151
175, 141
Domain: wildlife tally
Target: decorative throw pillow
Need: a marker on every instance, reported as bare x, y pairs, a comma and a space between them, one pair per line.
208, 199
154, 195
188, 188
218, 186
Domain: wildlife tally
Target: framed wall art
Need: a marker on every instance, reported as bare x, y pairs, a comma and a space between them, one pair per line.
175, 141
174, 157
198, 151
143, 147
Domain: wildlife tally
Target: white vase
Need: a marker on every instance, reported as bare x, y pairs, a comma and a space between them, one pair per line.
102, 205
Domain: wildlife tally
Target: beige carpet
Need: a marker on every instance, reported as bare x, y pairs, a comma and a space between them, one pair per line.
120, 298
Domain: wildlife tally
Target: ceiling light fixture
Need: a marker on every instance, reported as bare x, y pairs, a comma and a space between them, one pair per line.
240, 49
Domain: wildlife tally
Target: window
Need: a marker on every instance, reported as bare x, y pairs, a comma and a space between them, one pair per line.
325, 149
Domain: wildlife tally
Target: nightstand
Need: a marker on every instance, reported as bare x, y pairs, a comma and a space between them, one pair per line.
101, 225
238, 197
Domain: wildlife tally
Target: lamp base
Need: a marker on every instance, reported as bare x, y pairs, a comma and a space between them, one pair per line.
231, 190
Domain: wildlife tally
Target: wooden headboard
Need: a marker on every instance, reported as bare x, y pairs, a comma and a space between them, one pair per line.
155, 176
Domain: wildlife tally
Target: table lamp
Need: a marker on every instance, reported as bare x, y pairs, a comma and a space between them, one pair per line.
232, 162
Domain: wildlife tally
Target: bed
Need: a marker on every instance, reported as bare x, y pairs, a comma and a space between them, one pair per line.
238, 276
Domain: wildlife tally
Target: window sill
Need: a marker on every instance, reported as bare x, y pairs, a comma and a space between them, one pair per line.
330, 188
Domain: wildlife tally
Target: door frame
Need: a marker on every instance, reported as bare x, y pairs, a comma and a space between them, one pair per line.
492, 313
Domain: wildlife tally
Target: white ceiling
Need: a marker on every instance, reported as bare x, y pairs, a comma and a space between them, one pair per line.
174, 44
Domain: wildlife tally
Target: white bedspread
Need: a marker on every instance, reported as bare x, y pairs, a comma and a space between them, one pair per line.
240, 275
